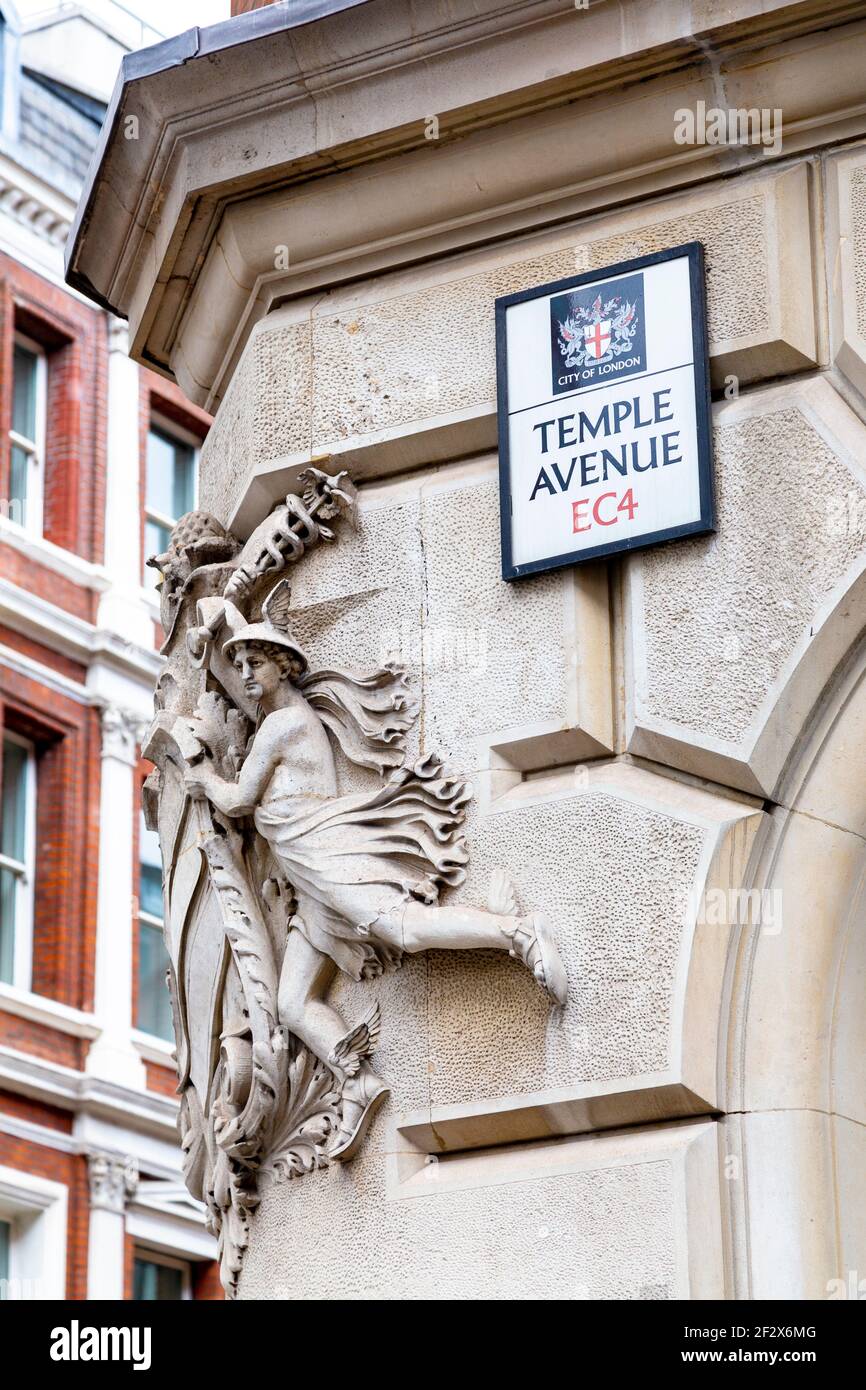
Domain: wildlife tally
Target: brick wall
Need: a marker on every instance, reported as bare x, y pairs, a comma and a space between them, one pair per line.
25, 1035
206, 1284
244, 6
69, 1169
23, 1108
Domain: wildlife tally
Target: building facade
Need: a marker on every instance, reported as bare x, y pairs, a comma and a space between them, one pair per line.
322, 205
98, 458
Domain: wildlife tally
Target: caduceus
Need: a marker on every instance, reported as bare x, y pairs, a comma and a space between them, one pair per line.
301, 521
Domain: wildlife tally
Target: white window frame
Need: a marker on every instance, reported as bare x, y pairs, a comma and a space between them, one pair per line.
183, 436
36, 1209
34, 448
24, 870
158, 1257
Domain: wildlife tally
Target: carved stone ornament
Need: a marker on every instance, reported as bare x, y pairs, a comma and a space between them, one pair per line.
122, 732
275, 877
113, 1180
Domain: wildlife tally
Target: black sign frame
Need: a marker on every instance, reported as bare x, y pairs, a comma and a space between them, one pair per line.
706, 523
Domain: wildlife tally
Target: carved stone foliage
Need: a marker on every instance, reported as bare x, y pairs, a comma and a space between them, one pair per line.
274, 877
113, 1180
122, 732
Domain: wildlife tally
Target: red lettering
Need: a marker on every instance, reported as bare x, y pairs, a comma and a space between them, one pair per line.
628, 504
581, 522
596, 511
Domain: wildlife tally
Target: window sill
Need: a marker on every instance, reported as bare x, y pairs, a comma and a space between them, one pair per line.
54, 557
39, 1008
153, 1049
150, 600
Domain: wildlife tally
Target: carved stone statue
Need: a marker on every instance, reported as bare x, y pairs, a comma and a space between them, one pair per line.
300, 879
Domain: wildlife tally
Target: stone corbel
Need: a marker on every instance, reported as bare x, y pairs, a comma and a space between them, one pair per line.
122, 733
113, 1181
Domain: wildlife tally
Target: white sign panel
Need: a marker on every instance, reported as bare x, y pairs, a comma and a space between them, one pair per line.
604, 412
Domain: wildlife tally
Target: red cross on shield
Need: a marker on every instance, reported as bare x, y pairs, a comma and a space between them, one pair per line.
596, 337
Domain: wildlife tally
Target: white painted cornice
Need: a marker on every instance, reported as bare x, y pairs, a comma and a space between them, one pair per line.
142, 1111
63, 632
210, 133
34, 203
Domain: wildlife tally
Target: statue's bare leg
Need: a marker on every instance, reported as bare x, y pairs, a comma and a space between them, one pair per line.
305, 976
455, 928
304, 979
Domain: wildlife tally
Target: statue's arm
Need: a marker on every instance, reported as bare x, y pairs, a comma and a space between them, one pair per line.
238, 798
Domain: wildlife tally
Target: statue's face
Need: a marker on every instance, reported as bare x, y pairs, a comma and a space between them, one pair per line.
260, 674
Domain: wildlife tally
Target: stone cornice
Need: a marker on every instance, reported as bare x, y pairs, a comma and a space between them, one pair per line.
142, 1111
63, 632
28, 200
241, 111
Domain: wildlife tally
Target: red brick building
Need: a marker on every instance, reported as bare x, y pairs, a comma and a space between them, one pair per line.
97, 459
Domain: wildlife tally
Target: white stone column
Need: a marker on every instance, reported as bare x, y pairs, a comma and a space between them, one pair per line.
112, 1055
113, 1180
121, 609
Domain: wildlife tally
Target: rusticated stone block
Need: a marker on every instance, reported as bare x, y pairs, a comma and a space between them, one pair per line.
731, 637
627, 867
402, 371
546, 1210
510, 676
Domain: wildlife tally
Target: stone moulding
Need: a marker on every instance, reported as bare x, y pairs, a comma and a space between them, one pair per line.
845, 174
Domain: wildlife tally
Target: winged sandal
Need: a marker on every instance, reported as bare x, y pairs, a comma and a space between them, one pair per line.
363, 1090
531, 940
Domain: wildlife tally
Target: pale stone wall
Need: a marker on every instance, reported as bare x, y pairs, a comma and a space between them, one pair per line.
601, 1218
414, 352
666, 748
705, 658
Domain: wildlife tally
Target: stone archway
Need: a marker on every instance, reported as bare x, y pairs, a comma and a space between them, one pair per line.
794, 1093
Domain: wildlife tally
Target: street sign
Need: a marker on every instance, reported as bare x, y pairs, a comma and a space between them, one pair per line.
604, 412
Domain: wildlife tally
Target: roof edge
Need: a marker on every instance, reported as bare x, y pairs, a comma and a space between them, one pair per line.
278, 17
